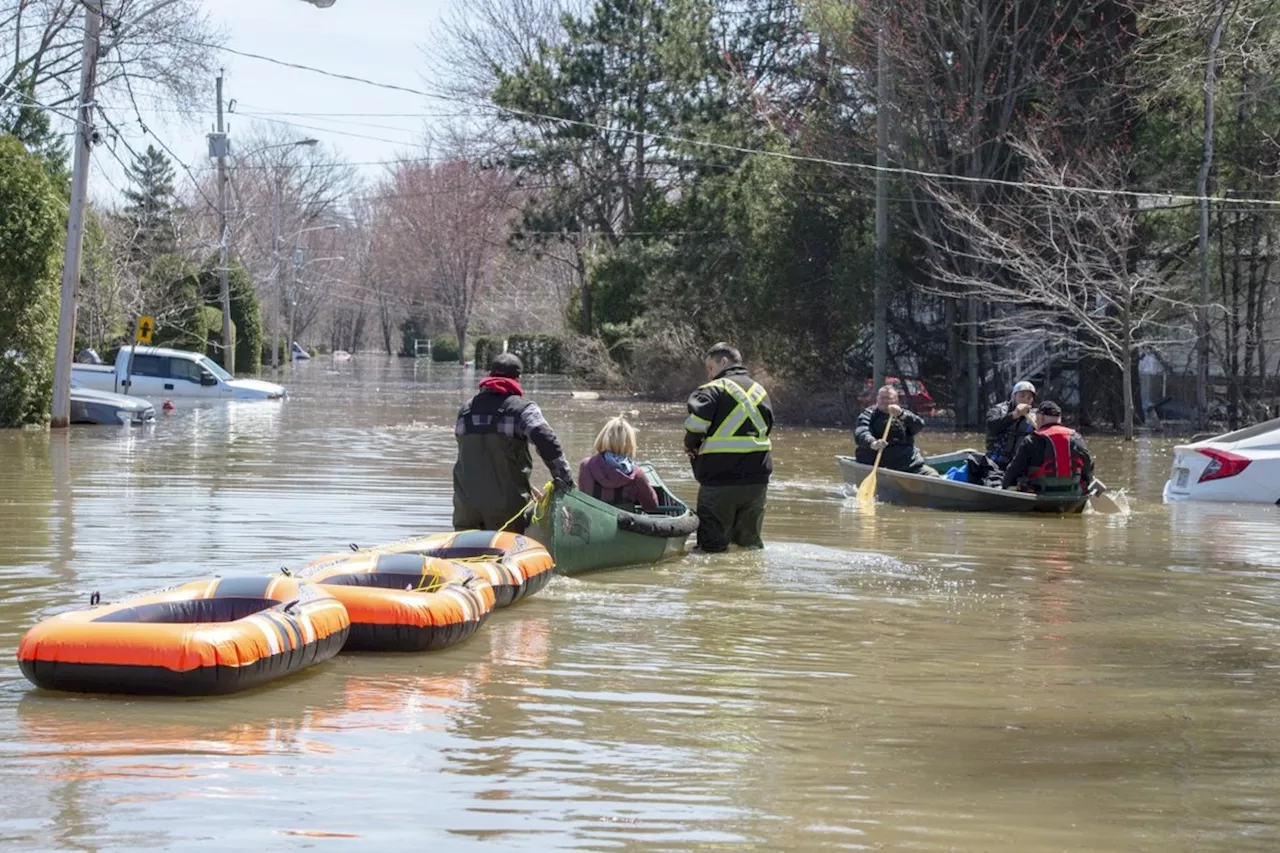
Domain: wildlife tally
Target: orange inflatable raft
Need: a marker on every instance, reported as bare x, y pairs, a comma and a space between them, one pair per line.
201, 638
406, 602
513, 564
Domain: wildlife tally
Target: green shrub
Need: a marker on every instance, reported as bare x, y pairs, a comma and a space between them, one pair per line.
538, 353
31, 235
444, 349
486, 349
412, 329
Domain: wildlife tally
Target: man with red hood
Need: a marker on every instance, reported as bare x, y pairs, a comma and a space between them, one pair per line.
491, 477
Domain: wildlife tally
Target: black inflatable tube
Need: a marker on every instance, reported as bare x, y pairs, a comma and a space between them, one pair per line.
660, 526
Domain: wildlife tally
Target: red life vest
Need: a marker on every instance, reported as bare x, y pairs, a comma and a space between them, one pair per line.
1062, 469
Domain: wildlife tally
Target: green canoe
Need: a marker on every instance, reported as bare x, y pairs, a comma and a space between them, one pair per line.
584, 534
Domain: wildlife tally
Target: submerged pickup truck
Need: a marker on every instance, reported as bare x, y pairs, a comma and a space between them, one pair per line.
161, 373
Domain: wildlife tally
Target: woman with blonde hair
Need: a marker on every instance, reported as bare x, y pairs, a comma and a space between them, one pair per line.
612, 475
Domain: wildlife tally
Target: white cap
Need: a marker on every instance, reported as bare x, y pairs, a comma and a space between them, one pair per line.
1024, 385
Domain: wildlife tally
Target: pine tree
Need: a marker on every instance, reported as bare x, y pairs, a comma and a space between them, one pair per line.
23, 119
151, 206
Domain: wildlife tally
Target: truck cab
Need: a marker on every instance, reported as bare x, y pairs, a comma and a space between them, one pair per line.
161, 373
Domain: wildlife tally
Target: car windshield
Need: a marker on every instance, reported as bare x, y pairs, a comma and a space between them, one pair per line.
212, 366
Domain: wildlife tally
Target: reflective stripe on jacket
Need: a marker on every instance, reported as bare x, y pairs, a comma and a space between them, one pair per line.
726, 438
728, 427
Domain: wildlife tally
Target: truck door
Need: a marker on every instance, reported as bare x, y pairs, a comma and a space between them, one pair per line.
186, 379
148, 376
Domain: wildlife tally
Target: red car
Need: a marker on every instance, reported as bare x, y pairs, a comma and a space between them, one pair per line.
911, 395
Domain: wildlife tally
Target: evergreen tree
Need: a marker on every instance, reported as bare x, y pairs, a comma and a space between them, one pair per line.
29, 124
629, 76
150, 208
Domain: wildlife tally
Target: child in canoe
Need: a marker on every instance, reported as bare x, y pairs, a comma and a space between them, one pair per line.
612, 475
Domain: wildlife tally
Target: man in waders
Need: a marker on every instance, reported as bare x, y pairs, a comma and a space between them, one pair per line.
491, 477
1053, 460
727, 439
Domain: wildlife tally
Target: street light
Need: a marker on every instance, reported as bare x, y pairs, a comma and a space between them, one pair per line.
218, 145
298, 264
277, 290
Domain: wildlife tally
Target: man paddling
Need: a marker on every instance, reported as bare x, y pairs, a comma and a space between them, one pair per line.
900, 451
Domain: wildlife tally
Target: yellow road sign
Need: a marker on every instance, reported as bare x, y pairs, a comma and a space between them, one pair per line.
146, 325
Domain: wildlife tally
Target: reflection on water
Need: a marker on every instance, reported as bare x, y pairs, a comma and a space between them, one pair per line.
904, 681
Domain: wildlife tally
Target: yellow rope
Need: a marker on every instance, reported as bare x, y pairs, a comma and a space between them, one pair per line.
437, 582
538, 505
542, 505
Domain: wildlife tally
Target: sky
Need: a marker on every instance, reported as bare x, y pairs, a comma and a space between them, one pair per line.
382, 40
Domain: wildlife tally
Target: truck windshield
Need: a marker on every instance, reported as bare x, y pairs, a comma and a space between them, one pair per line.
212, 366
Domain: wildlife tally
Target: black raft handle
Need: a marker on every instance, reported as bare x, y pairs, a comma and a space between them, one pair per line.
288, 608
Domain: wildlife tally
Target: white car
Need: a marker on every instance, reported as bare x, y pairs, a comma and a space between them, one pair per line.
1241, 466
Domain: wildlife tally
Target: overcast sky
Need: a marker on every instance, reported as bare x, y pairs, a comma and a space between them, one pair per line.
382, 40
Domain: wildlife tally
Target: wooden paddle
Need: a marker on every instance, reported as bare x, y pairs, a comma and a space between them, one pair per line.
866, 496
1106, 502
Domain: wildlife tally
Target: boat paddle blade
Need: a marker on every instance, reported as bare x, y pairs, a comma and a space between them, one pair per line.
1106, 502
1110, 503
866, 497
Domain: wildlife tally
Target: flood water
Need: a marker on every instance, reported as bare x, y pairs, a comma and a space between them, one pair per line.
911, 680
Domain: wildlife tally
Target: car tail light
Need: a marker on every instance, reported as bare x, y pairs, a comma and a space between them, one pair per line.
1222, 464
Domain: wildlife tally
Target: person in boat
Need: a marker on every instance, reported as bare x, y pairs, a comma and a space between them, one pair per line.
612, 475
727, 440
1008, 423
491, 476
900, 451
1053, 460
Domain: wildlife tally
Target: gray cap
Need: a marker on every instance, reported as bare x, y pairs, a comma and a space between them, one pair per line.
1024, 385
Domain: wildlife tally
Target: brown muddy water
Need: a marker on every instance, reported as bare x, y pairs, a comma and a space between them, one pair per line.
914, 680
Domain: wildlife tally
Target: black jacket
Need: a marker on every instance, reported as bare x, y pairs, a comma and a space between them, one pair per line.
1004, 430
902, 453
1035, 449
708, 407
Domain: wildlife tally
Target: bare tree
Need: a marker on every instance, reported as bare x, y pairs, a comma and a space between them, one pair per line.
486, 35
1061, 263
169, 51
450, 218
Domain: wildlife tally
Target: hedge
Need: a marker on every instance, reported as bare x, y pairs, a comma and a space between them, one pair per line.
31, 237
539, 353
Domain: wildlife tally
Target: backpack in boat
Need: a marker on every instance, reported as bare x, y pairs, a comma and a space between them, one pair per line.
982, 472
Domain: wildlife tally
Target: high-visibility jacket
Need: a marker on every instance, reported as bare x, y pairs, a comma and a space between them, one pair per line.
729, 423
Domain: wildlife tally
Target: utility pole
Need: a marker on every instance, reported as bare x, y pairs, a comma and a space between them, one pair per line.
84, 138
880, 298
218, 145
298, 254
275, 271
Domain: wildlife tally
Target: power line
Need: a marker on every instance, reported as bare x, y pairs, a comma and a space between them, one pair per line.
738, 149
142, 124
